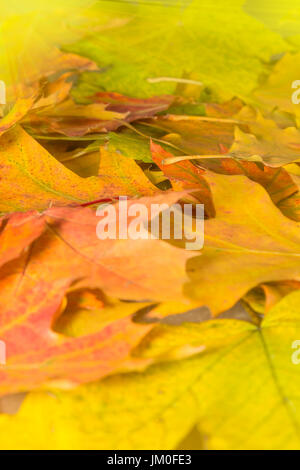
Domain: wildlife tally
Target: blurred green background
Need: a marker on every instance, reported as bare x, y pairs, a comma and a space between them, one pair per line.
226, 44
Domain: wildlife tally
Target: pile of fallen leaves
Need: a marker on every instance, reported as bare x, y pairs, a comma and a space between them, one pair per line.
142, 344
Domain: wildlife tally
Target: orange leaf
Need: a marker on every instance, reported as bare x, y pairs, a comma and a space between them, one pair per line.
68, 253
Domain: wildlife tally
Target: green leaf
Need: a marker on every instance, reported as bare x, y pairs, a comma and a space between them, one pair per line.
130, 145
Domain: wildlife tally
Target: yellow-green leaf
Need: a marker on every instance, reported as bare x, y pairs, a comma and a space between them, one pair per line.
240, 390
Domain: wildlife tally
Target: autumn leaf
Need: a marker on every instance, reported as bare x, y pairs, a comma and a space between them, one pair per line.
89, 310
206, 137
278, 182
136, 108
76, 120
215, 386
34, 287
20, 109
242, 251
26, 97
17, 233
33, 179
276, 91
262, 298
264, 140
195, 135
271, 145
184, 175
130, 144
290, 206
121, 339
126, 173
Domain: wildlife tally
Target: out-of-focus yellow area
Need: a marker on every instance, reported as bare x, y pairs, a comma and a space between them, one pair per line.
281, 17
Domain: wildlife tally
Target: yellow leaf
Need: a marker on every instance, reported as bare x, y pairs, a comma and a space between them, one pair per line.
267, 142
242, 392
88, 310
32, 179
19, 110
125, 173
248, 243
276, 91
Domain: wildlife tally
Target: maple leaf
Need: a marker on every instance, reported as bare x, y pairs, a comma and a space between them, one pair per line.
184, 175
130, 144
221, 390
248, 242
55, 86
279, 183
290, 206
195, 135
126, 174
202, 136
262, 298
271, 144
54, 111
33, 179
134, 108
75, 120
123, 330
66, 253
276, 181
45, 90
20, 109
89, 310
17, 233
272, 93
